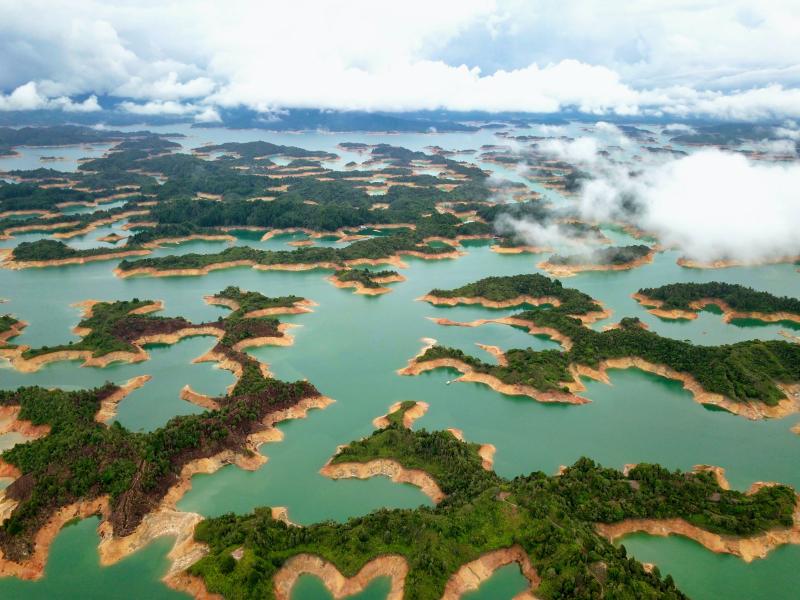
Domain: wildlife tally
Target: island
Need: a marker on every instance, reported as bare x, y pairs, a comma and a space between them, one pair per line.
685, 300
365, 282
375, 251
753, 378
118, 331
515, 290
614, 258
556, 527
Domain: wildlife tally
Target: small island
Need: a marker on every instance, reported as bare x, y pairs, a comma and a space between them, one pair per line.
515, 290
614, 258
365, 282
49, 253
685, 300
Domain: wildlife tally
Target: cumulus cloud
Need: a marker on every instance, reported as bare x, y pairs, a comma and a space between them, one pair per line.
200, 113
599, 58
705, 204
28, 97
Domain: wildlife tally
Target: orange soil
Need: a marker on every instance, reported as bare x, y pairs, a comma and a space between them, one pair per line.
470, 375
472, 574
392, 566
360, 288
724, 264
746, 548
411, 415
387, 468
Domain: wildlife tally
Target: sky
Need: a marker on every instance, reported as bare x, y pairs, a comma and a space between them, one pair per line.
724, 59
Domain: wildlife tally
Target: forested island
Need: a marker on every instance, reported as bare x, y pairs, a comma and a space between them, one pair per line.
43, 253
366, 282
614, 258
373, 250
752, 377
117, 331
77, 459
81, 460
514, 290
545, 523
684, 300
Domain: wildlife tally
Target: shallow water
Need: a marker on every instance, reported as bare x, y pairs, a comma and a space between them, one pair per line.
350, 348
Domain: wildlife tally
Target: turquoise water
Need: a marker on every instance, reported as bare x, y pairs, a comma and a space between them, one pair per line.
350, 348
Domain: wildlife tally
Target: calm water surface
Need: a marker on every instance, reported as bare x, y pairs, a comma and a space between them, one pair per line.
350, 348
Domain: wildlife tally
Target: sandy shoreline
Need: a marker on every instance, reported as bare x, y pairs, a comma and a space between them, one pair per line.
393, 566
360, 288
10, 263
728, 313
31, 365
689, 263
746, 548
301, 306
471, 575
153, 272
553, 334
749, 410
411, 415
386, 468
520, 249
468, 374
108, 406
165, 520
586, 319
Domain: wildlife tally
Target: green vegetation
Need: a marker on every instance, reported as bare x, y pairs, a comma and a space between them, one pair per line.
113, 329
62, 135
744, 372
614, 255
7, 322
364, 276
740, 298
168, 231
374, 248
253, 150
251, 301
81, 459
69, 222
501, 289
42, 250
28, 196
397, 416
551, 517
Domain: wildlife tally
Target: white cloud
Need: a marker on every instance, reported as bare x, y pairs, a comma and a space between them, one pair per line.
583, 150
201, 113
705, 204
28, 97
721, 58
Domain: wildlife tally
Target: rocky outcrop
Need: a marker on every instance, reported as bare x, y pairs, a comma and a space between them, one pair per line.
411, 415
385, 468
470, 576
392, 566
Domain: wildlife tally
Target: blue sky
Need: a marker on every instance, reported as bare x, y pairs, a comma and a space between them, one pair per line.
725, 59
